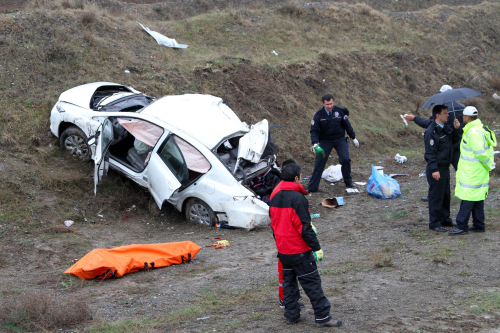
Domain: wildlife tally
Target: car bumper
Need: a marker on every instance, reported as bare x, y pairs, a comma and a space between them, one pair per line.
55, 121
248, 214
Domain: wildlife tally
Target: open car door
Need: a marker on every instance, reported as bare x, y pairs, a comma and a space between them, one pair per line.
166, 170
104, 138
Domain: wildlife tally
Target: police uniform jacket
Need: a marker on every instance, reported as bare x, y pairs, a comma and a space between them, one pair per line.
333, 127
438, 144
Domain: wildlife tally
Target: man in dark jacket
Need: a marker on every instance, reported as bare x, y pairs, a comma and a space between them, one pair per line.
455, 111
298, 249
328, 129
439, 139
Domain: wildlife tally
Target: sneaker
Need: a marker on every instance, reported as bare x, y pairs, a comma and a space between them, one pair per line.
282, 304
330, 323
295, 321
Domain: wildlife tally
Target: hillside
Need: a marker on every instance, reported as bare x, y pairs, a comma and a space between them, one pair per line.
379, 59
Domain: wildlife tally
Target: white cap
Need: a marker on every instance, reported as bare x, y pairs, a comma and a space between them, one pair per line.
470, 111
445, 88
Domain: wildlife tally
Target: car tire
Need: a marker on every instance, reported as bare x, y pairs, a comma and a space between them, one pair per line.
198, 211
75, 142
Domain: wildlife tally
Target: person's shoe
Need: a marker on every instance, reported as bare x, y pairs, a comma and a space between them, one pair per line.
331, 323
439, 229
424, 198
474, 229
452, 224
295, 321
282, 304
457, 231
350, 184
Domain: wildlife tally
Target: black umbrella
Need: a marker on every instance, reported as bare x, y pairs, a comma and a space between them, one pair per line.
451, 96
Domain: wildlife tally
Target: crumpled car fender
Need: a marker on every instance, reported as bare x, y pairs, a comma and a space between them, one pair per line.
249, 213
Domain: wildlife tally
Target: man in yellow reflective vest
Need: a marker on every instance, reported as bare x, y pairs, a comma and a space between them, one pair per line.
473, 174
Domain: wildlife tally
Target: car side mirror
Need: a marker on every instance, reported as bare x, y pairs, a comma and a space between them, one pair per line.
92, 140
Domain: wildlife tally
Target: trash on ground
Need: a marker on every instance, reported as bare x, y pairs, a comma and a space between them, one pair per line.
220, 244
127, 71
74, 260
131, 209
225, 226
360, 183
392, 175
332, 202
202, 318
189, 233
313, 216
400, 159
333, 173
422, 174
118, 261
403, 117
379, 168
382, 186
100, 215
352, 190
495, 96
68, 223
163, 40
274, 52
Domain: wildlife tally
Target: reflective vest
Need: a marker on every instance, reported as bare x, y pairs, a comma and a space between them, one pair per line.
476, 161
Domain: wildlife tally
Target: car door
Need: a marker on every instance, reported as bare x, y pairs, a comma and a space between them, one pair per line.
104, 138
166, 170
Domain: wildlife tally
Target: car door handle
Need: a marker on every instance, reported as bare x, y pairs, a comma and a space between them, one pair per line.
145, 178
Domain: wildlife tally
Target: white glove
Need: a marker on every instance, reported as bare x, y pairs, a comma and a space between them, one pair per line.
493, 166
356, 143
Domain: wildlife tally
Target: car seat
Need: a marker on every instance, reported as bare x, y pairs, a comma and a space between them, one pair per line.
137, 160
120, 132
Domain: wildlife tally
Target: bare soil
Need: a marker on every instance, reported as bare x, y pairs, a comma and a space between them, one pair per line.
383, 269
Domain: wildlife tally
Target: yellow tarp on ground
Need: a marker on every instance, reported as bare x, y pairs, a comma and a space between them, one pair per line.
118, 261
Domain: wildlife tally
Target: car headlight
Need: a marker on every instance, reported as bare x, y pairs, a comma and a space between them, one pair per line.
59, 108
241, 198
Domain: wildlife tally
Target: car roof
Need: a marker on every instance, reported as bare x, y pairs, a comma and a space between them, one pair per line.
204, 117
81, 95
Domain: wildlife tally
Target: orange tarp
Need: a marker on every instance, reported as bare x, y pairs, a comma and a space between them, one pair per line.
115, 262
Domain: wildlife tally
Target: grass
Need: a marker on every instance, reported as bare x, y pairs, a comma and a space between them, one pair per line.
337, 270
207, 303
441, 254
482, 301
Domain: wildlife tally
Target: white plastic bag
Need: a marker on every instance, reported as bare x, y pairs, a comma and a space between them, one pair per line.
400, 159
333, 173
163, 40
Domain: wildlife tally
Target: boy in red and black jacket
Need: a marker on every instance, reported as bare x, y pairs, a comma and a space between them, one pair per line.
298, 248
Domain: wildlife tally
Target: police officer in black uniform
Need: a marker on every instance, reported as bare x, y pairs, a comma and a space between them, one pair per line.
328, 129
439, 139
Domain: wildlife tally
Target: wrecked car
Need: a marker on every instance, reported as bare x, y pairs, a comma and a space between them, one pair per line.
191, 150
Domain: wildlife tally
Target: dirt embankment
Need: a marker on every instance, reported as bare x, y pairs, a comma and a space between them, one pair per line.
383, 270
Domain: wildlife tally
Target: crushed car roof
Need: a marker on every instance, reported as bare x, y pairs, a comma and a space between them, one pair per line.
81, 95
204, 117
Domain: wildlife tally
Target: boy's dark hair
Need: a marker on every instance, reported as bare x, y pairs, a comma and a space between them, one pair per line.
472, 118
326, 97
288, 161
437, 109
291, 171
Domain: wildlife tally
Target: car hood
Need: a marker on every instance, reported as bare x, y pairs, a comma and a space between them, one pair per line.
204, 117
81, 95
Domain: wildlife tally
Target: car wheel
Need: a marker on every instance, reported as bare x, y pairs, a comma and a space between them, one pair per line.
198, 211
75, 142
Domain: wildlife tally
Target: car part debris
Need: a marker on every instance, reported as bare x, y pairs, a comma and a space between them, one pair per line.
163, 40
332, 202
352, 190
68, 223
220, 244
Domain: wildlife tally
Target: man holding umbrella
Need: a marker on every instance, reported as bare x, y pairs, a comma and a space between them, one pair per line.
455, 110
473, 176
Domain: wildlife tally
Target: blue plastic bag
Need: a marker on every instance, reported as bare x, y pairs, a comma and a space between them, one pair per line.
382, 186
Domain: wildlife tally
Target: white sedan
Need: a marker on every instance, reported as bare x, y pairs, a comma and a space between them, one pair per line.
189, 150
